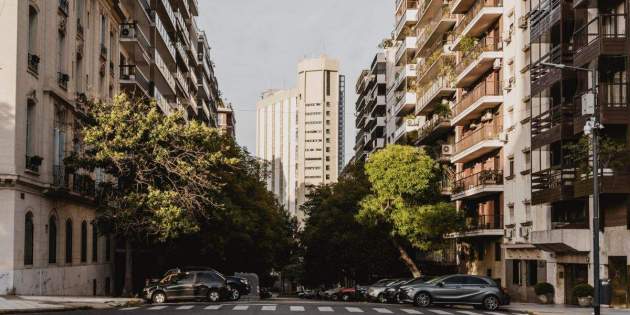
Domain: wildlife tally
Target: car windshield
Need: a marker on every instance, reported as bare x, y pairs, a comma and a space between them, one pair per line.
169, 278
381, 282
436, 280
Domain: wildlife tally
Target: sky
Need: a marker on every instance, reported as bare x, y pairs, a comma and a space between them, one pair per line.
256, 45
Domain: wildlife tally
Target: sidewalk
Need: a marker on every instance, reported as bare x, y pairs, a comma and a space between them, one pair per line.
552, 309
24, 304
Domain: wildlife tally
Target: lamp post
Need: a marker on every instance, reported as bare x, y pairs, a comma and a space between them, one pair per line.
591, 126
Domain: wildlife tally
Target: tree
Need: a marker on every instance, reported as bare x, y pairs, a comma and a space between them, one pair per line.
165, 175
405, 198
335, 245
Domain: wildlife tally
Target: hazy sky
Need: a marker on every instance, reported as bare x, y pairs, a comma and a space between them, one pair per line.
256, 45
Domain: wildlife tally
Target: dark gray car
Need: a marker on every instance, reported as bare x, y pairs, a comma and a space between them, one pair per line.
479, 291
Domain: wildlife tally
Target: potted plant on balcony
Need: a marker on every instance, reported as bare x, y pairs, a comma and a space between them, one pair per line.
584, 294
545, 292
613, 155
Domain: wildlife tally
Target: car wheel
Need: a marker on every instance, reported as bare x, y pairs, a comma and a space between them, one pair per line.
334, 297
422, 299
213, 296
158, 297
345, 297
381, 298
490, 303
235, 295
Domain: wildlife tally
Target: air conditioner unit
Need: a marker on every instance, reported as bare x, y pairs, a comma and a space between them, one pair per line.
447, 150
522, 22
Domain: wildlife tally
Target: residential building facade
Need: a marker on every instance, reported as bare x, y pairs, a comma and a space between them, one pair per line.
226, 121
298, 132
371, 108
58, 56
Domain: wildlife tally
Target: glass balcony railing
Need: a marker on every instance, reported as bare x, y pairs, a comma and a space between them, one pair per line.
604, 26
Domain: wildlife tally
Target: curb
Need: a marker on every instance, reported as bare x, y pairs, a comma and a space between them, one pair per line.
47, 310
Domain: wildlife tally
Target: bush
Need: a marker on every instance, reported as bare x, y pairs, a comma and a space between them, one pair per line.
544, 288
583, 290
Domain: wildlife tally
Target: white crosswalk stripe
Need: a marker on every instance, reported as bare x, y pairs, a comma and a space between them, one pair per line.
382, 310
185, 307
440, 312
468, 312
497, 313
156, 308
296, 308
410, 311
129, 308
354, 310
268, 308
213, 307
240, 307
325, 309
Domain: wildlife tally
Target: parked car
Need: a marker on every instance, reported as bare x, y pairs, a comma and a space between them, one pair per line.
479, 291
361, 292
330, 293
188, 285
344, 294
238, 287
307, 294
392, 293
376, 291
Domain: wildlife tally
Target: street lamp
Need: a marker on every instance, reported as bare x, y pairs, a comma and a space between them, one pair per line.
591, 126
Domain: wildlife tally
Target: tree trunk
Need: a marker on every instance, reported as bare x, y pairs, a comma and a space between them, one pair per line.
128, 283
411, 265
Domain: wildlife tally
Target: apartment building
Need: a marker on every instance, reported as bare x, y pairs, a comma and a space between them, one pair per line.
298, 132
507, 124
370, 108
58, 55
226, 121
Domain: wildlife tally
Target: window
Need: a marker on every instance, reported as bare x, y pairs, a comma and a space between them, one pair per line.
28, 239
68, 241
327, 176
497, 251
32, 29
103, 30
108, 248
327, 113
528, 159
52, 240
94, 243
30, 121
532, 272
481, 252
186, 278
455, 280
516, 272
476, 281
328, 83
511, 167
83, 241
59, 141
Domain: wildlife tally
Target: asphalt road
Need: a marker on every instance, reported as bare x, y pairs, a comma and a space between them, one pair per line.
286, 307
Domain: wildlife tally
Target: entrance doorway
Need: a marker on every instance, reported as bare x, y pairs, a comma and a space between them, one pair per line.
618, 274
574, 274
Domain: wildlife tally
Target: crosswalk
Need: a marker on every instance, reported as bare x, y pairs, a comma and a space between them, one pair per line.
244, 308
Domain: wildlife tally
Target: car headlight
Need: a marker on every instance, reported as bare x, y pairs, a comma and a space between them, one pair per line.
390, 290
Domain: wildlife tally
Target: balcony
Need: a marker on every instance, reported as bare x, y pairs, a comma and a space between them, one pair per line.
612, 104
33, 63
547, 14
433, 129
434, 29
441, 88
164, 80
169, 14
33, 162
439, 62
62, 80
402, 75
164, 45
133, 80
611, 182
408, 19
603, 35
552, 184
477, 18
543, 77
407, 47
485, 95
484, 139
202, 87
405, 103
563, 241
485, 55
481, 226
133, 39
376, 126
477, 185
376, 144
399, 133
552, 125
182, 56
182, 82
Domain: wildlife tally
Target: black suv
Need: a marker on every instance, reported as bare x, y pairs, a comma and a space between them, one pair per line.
238, 286
188, 285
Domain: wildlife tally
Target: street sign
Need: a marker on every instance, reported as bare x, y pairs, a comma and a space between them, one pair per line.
588, 104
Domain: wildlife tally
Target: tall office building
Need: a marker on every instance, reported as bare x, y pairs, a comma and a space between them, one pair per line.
299, 132
56, 56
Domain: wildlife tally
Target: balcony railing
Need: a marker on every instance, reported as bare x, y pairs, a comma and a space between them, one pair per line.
437, 85
59, 176
550, 118
558, 54
424, 33
33, 63
473, 11
166, 38
485, 44
133, 73
547, 180
132, 31
62, 80
33, 162
488, 131
604, 26
479, 179
83, 184
484, 222
430, 125
484, 88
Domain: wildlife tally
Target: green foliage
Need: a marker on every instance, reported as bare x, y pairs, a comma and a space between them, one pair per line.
583, 290
467, 44
613, 154
443, 110
405, 197
544, 288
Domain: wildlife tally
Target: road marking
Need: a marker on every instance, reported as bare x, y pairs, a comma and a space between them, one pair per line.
296, 308
440, 312
155, 308
382, 310
268, 307
240, 307
325, 309
410, 311
354, 310
468, 312
213, 307
497, 313
185, 307
129, 308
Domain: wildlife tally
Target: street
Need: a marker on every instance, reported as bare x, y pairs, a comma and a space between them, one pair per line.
287, 307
